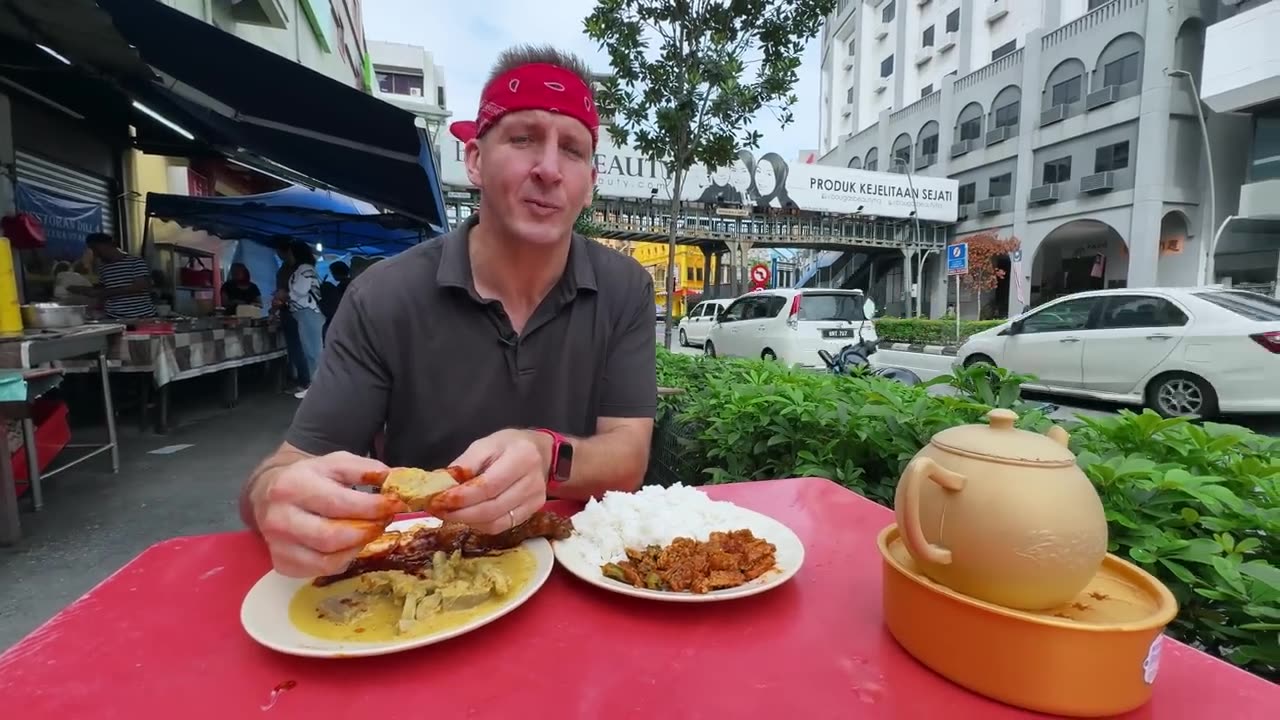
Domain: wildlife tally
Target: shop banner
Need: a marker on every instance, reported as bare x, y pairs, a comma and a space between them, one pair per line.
757, 180
66, 221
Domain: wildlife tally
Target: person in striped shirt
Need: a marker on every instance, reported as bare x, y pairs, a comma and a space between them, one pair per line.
124, 280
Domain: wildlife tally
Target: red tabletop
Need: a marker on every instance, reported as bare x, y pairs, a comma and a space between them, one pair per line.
161, 638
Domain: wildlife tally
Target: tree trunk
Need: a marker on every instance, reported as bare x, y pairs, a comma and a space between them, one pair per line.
677, 177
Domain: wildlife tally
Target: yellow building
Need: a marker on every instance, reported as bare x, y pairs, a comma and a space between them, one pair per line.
688, 272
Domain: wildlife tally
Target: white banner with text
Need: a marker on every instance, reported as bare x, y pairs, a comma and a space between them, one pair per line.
757, 181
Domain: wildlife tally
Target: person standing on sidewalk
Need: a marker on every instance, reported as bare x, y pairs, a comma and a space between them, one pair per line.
510, 346
304, 306
288, 323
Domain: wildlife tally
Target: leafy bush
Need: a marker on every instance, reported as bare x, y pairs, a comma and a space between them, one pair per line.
1197, 506
929, 332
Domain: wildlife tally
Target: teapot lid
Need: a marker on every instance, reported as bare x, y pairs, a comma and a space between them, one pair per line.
1000, 441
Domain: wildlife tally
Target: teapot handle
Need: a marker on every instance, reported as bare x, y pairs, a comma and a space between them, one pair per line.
919, 470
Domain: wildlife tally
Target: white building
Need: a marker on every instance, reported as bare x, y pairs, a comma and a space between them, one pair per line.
1242, 75
1071, 125
408, 77
885, 54
324, 35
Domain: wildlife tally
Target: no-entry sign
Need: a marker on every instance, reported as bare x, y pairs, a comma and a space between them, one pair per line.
760, 275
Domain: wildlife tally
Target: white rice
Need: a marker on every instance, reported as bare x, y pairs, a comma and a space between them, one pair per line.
652, 516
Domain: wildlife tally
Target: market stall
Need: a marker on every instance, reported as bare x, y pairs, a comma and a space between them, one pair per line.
189, 244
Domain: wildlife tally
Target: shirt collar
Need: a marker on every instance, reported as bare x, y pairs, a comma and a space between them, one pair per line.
455, 262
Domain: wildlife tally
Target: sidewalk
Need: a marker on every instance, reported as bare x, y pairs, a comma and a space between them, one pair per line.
93, 521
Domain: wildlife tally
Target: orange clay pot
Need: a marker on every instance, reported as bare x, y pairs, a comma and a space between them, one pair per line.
1095, 656
1002, 514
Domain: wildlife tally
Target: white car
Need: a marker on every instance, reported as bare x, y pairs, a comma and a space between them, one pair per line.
694, 326
791, 326
1183, 352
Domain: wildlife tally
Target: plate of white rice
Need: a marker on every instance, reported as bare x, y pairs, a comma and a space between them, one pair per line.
655, 515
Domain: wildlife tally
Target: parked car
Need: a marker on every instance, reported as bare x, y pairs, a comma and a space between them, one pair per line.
694, 326
1183, 352
791, 325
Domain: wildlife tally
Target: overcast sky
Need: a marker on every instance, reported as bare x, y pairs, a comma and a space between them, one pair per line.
466, 37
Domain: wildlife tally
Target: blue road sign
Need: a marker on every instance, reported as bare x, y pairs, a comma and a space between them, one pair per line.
958, 259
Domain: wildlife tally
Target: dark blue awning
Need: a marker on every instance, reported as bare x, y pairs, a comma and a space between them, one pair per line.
241, 100
338, 223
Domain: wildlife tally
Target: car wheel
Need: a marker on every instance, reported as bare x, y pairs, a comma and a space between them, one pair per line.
769, 355
684, 339
978, 359
1181, 394
709, 349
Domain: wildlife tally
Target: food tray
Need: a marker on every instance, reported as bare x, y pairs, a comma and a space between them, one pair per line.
1094, 657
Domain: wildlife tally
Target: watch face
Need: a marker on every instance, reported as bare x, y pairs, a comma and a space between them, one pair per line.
564, 462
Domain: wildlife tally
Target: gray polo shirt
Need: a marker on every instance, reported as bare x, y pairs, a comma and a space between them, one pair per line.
415, 348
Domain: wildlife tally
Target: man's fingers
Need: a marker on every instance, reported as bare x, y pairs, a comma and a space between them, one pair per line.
332, 500
490, 515
294, 525
297, 561
477, 456
350, 469
494, 480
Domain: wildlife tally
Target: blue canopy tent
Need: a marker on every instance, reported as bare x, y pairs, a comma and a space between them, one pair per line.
340, 227
316, 217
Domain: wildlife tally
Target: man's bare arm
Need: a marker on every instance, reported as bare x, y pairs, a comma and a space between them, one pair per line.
283, 457
615, 458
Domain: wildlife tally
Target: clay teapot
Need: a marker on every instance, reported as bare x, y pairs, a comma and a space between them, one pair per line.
1002, 514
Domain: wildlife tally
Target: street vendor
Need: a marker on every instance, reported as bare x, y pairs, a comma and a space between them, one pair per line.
509, 346
124, 280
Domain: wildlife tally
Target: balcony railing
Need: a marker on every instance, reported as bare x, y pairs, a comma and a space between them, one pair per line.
1102, 15
990, 70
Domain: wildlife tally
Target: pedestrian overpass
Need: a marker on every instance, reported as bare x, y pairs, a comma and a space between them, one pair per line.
851, 246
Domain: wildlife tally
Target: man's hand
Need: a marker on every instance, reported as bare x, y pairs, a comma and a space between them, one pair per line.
510, 484
308, 512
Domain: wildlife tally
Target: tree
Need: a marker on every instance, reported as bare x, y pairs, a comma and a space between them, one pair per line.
586, 224
690, 75
985, 250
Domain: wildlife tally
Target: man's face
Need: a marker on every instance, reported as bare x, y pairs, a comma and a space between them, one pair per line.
535, 171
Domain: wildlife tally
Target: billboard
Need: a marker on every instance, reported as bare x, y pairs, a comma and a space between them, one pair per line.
756, 179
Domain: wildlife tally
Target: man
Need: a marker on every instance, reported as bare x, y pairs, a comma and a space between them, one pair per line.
510, 346
331, 292
124, 280
288, 323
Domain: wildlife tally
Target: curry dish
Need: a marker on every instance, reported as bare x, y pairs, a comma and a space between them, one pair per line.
385, 605
725, 560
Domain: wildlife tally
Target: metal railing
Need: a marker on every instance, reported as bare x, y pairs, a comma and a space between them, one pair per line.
1090, 20
643, 222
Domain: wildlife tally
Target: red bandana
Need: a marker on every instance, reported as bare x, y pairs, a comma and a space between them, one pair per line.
536, 86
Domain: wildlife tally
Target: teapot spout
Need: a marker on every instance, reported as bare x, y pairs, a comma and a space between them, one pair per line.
1058, 435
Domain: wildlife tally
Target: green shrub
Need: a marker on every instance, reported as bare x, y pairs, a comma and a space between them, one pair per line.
929, 332
1196, 505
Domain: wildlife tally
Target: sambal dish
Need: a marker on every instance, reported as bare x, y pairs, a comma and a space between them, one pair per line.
725, 560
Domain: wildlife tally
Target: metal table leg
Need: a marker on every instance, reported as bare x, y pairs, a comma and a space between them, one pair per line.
10, 525
110, 410
33, 462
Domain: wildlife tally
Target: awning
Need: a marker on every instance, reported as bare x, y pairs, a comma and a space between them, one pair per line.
337, 223
244, 101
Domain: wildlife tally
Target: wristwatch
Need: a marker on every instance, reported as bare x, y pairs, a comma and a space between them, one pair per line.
561, 458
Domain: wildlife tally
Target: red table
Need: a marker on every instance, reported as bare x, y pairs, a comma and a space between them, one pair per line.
161, 638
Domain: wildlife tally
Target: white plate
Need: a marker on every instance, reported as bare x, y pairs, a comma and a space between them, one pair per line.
789, 554
265, 611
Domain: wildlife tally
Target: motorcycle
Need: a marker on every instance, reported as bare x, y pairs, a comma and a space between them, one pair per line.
858, 355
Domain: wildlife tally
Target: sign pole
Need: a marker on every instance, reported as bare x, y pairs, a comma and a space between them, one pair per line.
957, 309
957, 265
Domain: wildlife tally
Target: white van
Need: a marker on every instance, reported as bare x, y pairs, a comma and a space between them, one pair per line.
694, 326
791, 325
